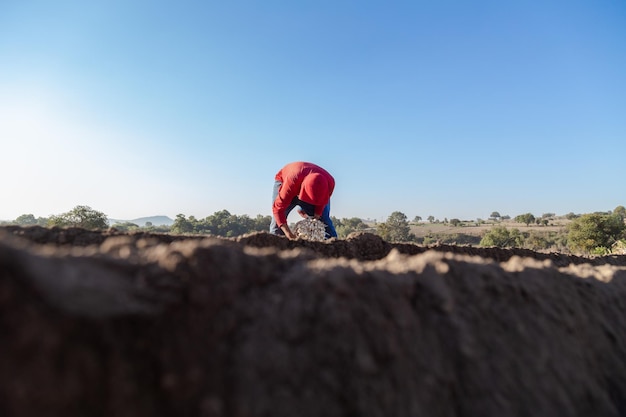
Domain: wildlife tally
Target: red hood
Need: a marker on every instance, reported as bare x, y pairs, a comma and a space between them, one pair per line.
314, 190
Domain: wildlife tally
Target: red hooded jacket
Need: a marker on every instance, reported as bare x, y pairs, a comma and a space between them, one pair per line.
309, 182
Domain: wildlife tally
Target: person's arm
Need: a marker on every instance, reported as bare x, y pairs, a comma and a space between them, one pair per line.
287, 231
288, 190
278, 211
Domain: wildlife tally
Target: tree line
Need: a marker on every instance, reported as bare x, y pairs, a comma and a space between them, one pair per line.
593, 233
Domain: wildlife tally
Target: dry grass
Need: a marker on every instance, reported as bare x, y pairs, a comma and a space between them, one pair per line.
472, 228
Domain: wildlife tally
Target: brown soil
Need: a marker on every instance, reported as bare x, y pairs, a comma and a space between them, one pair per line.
111, 324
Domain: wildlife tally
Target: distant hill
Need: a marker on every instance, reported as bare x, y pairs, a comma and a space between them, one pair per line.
155, 220
141, 221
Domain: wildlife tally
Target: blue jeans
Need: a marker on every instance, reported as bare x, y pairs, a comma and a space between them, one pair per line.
309, 209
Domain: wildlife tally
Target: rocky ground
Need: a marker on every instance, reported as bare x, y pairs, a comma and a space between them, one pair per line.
112, 324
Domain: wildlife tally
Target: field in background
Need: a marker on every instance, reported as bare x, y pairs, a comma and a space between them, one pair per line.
472, 228
476, 230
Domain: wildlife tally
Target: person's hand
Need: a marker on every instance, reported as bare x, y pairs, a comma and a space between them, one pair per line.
303, 214
287, 231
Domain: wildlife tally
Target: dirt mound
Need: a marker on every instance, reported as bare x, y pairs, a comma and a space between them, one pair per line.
95, 324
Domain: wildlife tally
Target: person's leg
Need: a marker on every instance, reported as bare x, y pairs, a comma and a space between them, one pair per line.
274, 229
330, 227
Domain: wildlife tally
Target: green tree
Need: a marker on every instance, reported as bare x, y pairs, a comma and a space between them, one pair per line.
195, 224
239, 225
502, 237
346, 226
417, 219
620, 211
591, 231
181, 225
80, 216
222, 223
261, 223
455, 222
30, 220
431, 219
526, 218
494, 215
26, 220
396, 228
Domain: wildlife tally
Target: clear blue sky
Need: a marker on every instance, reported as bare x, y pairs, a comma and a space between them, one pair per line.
447, 108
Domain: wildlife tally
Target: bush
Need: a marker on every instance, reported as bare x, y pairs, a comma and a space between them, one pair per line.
502, 237
596, 230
